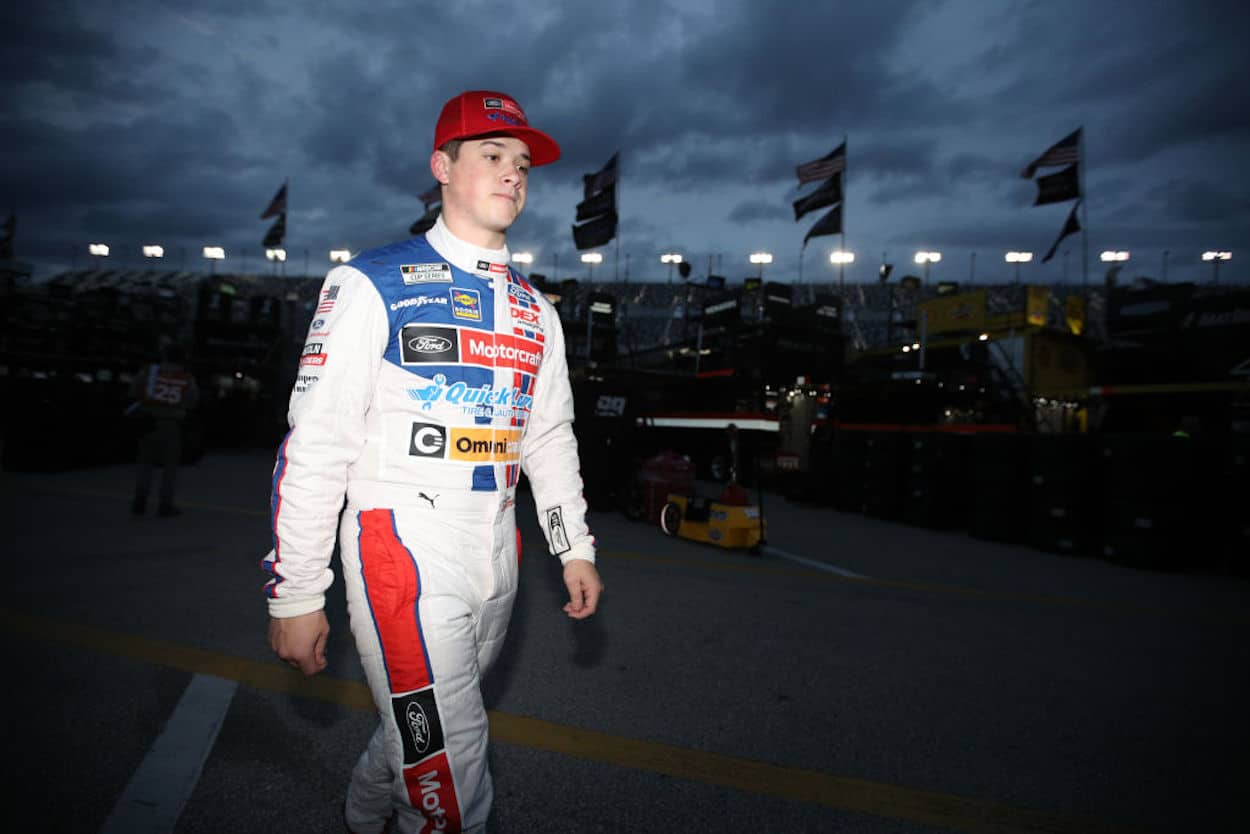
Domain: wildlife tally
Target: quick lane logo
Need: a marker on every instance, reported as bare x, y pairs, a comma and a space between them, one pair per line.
502, 350
466, 304
458, 393
484, 445
426, 273
427, 441
424, 344
420, 726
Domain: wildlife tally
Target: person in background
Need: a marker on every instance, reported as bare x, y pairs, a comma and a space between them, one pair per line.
162, 394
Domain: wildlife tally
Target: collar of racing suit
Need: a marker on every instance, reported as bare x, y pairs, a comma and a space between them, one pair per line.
464, 255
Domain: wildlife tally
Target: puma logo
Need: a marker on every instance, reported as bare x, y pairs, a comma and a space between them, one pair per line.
427, 498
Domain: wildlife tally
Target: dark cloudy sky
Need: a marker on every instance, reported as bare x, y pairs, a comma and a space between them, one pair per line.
135, 122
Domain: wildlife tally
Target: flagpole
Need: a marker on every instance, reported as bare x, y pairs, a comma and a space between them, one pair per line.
1084, 215
842, 226
616, 195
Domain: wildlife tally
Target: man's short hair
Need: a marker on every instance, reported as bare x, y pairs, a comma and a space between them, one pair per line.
452, 148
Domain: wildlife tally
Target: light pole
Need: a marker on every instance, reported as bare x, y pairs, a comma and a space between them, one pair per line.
213, 254
926, 258
1215, 258
591, 259
761, 259
1018, 258
672, 259
841, 257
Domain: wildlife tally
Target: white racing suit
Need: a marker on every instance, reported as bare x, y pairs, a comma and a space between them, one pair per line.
432, 375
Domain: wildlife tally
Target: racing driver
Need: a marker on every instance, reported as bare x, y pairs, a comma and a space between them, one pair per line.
433, 374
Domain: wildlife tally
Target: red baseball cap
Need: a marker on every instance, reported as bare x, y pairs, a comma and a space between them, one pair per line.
479, 112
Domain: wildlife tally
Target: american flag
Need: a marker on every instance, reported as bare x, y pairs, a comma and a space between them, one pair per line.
1064, 152
823, 168
328, 295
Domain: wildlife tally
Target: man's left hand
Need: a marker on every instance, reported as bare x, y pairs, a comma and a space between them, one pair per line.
585, 588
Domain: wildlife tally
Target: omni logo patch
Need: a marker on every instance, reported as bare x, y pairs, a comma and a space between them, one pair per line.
484, 445
428, 440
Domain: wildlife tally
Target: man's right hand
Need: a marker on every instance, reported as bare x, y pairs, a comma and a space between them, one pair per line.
301, 641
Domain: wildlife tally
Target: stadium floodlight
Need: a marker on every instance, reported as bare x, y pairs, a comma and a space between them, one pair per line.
592, 258
926, 258
340, 256
1113, 256
523, 257
214, 253
275, 255
670, 258
761, 258
840, 257
100, 250
1018, 257
154, 251
1215, 257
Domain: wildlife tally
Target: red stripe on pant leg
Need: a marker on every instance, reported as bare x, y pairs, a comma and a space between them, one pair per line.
393, 588
393, 585
518, 545
431, 791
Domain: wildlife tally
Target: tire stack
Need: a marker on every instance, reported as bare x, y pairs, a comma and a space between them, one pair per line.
1062, 494
1155, 510
936, 490
999, 493
885, 473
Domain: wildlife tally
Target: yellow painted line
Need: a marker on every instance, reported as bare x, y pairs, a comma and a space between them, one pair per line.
1209, 616
965, 814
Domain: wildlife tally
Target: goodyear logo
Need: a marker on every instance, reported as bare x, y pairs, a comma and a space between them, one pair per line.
466, 304
484, 445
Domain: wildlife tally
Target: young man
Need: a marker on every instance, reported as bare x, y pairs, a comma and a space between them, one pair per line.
432, 375
162, 394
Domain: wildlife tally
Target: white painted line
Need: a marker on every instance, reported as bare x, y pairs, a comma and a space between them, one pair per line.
153, 801
812, 563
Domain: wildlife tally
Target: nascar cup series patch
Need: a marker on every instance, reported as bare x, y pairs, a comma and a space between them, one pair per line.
466, 304
426, 273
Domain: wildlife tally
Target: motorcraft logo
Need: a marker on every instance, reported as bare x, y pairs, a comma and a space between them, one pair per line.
418, 301
476, 399
428, 440
423, 344
439, 273
466, 304
502, 350
421, 728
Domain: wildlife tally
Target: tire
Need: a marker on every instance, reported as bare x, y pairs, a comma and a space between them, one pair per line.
670, 518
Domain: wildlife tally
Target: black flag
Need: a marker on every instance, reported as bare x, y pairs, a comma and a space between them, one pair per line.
1059, 187
277, 205
276, 232
595, 233
602, 203
829, 192
1070, 226
592, 184
830, 224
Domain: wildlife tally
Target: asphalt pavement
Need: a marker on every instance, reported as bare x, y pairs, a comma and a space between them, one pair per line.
859, 676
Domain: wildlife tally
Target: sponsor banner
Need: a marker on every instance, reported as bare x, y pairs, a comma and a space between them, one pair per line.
424, 344
431, 789
500, 350
484, 400
466, 304
954, 313
317, 359
484, 445
418, 301
420, 728
519, 293
305, 381
524, 316
439, 273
